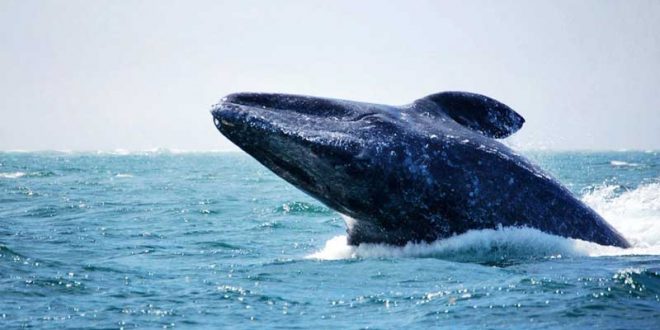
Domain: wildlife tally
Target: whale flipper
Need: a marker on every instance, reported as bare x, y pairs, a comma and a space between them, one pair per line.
479, 113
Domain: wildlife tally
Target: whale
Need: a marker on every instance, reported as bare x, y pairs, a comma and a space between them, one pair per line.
417, 173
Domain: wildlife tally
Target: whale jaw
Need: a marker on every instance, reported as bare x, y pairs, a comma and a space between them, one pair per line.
309, 150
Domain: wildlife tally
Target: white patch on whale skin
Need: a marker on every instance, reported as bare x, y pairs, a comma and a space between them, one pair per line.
350, 222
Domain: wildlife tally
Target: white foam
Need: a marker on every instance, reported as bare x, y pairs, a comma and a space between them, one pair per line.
635, 213
123, 175
620, 163
11, 175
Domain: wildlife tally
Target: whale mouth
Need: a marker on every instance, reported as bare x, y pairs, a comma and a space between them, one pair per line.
238, 116
281, 125
240, 111
253, 117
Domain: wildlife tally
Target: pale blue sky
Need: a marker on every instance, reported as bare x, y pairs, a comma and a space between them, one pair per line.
89, 75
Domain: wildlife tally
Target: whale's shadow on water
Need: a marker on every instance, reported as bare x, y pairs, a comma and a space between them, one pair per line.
423, 172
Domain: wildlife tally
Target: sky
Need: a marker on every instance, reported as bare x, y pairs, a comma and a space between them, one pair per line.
137, 75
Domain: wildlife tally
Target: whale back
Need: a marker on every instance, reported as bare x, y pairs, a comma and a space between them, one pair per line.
480, 113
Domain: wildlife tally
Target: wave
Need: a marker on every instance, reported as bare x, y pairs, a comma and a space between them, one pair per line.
620, 163
634, 213
639, 280
11, 175
296, 207
159, 151
16, 175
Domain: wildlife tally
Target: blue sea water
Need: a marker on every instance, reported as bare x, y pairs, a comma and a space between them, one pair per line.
215, 240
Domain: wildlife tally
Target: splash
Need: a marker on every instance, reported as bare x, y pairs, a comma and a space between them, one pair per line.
634, 213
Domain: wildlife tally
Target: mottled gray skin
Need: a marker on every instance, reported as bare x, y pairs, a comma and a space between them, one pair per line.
412, 173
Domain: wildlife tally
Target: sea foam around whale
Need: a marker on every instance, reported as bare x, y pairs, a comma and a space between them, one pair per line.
635, 213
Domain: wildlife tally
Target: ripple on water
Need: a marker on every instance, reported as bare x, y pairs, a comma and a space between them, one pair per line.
639, 281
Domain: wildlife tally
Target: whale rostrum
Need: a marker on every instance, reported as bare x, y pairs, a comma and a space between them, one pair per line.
418, 172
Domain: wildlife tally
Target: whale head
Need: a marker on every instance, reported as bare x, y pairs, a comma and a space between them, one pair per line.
323, 146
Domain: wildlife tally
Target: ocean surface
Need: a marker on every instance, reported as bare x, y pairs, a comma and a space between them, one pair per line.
167, 239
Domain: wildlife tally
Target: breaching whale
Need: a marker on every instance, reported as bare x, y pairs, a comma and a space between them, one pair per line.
419, 172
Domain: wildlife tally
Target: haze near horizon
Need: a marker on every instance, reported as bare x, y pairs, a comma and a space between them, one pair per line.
103, 75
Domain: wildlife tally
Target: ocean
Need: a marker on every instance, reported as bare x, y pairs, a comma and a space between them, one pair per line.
166, 239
